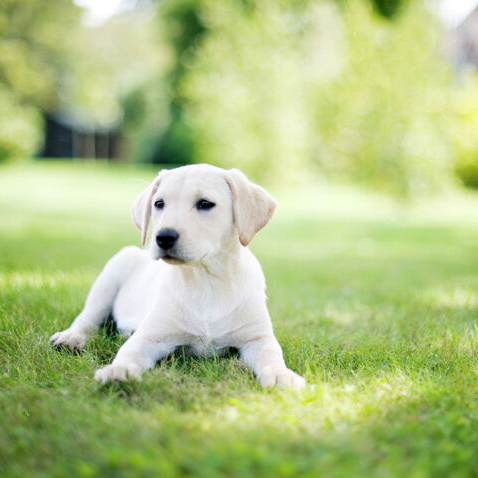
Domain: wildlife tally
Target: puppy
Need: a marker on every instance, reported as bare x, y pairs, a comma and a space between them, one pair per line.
199, 286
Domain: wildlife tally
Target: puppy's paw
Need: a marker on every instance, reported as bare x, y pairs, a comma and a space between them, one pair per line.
282, 377
68, 338
119, 373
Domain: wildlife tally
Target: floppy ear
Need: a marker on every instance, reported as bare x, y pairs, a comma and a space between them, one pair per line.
141, 208
252, 206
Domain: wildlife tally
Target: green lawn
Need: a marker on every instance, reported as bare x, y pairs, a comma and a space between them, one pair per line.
375, 303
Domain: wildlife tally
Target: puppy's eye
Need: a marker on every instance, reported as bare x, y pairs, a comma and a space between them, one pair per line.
204, 204
159, 204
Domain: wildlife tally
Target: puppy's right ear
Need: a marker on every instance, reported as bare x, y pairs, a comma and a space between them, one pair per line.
141, 209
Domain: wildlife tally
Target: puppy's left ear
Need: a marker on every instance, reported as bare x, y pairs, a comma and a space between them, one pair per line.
141, 208
252, 206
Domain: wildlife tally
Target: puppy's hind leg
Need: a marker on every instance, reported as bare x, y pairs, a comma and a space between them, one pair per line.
100, 299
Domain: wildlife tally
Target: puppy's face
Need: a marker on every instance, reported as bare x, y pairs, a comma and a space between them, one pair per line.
191, 215
198, 211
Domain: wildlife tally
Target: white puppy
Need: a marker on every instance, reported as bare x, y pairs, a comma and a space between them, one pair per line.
206, 293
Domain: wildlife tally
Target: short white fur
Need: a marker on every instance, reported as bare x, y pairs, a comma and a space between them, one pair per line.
207, 293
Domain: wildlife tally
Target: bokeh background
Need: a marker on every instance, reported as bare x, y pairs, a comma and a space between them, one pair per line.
361, 119
383, 92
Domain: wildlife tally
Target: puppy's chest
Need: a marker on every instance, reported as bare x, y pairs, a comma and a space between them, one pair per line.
207, 312
207, 329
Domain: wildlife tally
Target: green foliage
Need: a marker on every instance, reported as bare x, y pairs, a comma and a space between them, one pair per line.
50, 62
467, 170
386, 118
277, 88
387, 8
376, 305
34, 47
112, 62
249, 81
20, 128
172, 141
465, 132
281, 89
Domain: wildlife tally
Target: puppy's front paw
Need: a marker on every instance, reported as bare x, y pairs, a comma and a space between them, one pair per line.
282, 377
118, 372
69, 339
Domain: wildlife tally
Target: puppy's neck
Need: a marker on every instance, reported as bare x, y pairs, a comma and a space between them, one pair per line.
222, 265
214, 285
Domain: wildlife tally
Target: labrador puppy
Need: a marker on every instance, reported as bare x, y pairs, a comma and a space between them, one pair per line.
199, 286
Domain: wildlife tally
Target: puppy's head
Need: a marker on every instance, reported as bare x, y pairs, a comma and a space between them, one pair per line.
198, 211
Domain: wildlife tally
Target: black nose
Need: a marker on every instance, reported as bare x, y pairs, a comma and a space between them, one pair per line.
166, 238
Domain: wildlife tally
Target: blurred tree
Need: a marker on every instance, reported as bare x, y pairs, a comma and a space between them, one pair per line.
247, 81
386, 119
274, 87
182, 29
278, 88
34, 48
51, 63
110, 82
184, 26
387, 8
465, 136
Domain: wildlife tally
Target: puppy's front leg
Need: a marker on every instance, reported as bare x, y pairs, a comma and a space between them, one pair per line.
260, 350
140, 352
100, 299
264, 356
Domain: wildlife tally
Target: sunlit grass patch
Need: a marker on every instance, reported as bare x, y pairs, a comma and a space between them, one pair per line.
40, 280
460, 297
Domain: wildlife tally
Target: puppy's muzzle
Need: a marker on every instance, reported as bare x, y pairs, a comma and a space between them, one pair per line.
167, 238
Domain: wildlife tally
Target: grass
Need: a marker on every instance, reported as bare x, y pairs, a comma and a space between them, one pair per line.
375, 303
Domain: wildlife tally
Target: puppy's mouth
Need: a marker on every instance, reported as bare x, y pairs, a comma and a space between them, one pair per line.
172, 259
